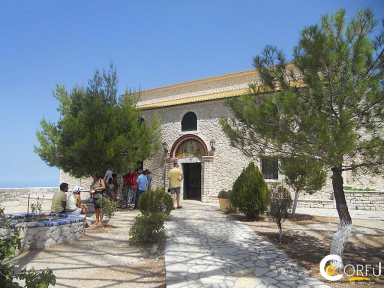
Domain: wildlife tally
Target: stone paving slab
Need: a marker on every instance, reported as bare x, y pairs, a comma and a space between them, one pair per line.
207, 248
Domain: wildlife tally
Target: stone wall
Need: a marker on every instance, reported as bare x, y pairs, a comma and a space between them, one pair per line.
228, 162
84, 183
42, 237
365, 200
373, 201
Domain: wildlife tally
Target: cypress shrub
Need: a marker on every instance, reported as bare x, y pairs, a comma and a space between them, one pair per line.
250, 192
156, 201
147, 228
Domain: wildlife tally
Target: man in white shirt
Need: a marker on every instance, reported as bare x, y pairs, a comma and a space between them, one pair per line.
108, 180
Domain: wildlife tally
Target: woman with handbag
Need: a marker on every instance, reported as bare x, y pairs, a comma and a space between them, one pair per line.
97, 190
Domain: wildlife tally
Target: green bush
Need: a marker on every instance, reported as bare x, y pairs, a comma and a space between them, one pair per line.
250, 192
109, 207
280, 203
156, 201
147, 228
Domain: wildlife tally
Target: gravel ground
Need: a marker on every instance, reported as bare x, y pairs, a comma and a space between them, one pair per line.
307, 239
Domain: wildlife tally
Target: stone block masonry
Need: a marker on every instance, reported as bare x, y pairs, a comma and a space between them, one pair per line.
42, 237
39, 235
373, 201
365, 200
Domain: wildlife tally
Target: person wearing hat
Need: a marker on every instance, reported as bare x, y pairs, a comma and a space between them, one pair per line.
71, 206
83, 207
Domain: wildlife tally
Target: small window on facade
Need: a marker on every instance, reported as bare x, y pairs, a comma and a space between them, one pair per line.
270, 167
189, 122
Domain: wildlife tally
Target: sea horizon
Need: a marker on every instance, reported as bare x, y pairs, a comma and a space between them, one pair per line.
23, 185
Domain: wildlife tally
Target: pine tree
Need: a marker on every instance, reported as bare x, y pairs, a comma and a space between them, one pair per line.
302, 175
97, 130
327, 104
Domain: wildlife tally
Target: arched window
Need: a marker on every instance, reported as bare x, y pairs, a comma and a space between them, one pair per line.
189, 122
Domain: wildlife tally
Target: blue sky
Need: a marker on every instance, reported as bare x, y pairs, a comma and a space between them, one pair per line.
152, 44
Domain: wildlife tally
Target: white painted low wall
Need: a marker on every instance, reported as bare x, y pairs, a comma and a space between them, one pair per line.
42, 237
373, 201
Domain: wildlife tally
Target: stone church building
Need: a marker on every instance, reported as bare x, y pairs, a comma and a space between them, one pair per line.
192, 137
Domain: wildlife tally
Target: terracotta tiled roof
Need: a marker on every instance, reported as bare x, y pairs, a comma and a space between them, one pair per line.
207, 89
194, 99
204, 80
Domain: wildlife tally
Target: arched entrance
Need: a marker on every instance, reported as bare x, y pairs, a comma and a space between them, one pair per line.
191, 152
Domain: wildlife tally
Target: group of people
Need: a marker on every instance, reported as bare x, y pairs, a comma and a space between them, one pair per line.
69, 202
134, 185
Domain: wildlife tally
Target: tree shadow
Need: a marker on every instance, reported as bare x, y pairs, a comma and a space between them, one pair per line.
100, 258
223, 250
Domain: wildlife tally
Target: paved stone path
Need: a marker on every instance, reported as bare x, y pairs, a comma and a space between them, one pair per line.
207, 248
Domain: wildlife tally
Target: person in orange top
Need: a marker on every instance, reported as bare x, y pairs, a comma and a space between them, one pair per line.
130, 187
134, 186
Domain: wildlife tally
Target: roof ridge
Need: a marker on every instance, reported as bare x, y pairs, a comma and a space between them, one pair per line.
211, 78
193, 99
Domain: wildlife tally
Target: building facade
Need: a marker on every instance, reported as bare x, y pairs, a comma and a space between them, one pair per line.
192, 137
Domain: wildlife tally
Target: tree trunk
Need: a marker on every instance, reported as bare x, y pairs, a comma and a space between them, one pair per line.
338, 191
345, 227
280, 231
295, 202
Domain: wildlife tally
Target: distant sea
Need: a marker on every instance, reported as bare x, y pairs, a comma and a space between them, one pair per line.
29, 175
